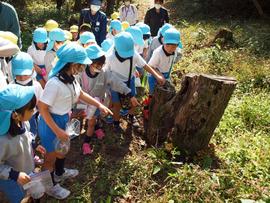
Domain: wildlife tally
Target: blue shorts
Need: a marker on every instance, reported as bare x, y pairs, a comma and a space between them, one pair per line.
152, 82
39, 77
13, 191
115, 95
46, 135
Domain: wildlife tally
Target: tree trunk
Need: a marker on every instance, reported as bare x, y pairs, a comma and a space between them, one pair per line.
77, 5
110, 7
190, 116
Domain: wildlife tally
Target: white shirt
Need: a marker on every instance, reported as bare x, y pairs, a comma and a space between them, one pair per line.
160, 61
122, 68
3, 82
110, 36
129, 14
59, 96
37, 55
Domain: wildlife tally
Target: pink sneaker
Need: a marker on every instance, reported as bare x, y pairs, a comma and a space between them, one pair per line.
99, 133
87, 149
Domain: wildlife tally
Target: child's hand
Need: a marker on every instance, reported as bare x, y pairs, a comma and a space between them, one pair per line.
23, 178
41, 149
104, 110
38, 69
161, 80
62, 135
134, 101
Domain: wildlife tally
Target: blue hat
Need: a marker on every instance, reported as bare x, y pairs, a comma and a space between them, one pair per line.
163, 29
87, 37
124, 44
13, 97
22, 64
94, 51
40, 35
107, 44
69, 53
172, 36
95, 2
116, 24
56, 34
144, 28
136, 34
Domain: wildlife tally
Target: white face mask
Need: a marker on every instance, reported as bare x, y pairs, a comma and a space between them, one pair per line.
157, 6
25, 82
127, 3
95, 8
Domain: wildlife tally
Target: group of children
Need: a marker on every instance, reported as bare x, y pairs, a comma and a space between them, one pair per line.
62, 71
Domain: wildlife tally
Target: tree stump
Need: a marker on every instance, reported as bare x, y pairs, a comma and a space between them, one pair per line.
191, 115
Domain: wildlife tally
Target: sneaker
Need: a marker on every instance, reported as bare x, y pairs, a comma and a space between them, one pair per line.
69, 173
134, 121
58, 192
123, 112
99, 133
87, 149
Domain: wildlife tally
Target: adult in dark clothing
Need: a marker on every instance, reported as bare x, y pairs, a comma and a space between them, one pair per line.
96, 19
156, 17
9, 20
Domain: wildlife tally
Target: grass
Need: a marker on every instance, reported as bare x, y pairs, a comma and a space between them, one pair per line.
236, 165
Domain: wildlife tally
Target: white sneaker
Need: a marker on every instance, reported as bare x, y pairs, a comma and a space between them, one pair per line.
69, 173
58, 192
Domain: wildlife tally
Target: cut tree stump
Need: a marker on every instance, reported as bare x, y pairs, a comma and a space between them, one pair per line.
190, 116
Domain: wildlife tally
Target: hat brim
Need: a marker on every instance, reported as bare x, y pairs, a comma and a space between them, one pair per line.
126, 54
5, 122
90, 40
97, 55
22, 72
41, 41
59, 66
171, 41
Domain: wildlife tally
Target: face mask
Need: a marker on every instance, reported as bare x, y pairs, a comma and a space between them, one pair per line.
157, 6
127, 3
95, 8
25, 82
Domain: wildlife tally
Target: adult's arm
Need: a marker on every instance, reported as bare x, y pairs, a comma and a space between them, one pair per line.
103, 29
166, 17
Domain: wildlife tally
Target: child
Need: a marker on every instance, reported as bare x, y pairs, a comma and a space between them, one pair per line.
37, 51
85, 27
57, 38
123, 62
17, 105
164, 56
128, 12
158, 40
95, 81
87, 38
74, 29
61, 92
115, 28
22, 71
146, 38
